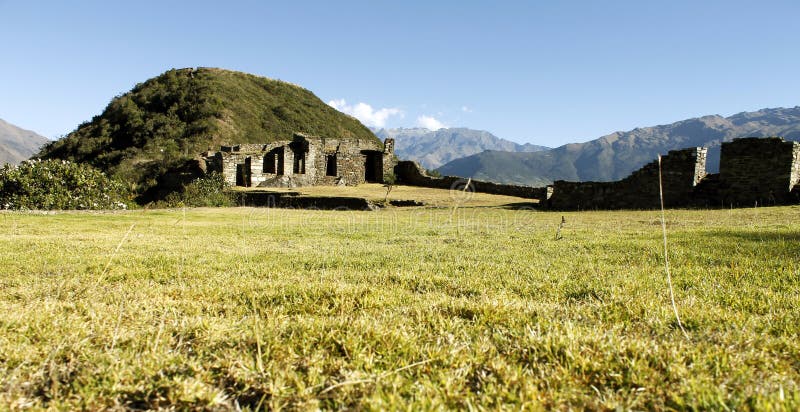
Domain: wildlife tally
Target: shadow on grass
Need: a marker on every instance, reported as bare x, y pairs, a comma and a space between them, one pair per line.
766, 248
750, 235
522, 206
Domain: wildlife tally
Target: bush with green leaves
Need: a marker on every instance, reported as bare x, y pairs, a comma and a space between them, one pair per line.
210, 190
59, 184
433, 173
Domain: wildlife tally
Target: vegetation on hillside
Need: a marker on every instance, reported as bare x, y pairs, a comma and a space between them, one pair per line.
166, 121
402, 309
59, 184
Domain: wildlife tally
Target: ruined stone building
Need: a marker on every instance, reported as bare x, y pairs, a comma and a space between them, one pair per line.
752, 171
304, 161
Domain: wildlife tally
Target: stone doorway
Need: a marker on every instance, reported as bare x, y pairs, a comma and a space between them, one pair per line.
243, 173
330, 165
299, 149
373, 166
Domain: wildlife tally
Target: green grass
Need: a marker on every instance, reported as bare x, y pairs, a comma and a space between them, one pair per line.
399, 309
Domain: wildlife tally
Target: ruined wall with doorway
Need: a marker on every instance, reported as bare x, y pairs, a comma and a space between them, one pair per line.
303, 161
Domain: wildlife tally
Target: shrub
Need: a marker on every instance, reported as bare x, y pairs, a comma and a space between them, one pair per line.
210, 190
59, 184
433, 173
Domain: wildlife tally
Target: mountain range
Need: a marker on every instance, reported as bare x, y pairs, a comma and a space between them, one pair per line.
17, 144
433, 148
616, 155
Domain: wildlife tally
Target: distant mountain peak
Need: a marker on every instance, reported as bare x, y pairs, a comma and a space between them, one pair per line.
433, 148
18, 144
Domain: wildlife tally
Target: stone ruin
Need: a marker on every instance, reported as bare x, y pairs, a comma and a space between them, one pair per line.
412, 174
753, 171
304, 161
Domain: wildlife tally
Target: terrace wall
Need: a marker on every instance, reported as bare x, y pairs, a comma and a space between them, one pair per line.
410, 173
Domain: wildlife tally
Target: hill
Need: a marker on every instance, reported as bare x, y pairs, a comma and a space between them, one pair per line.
17, 144
161, 124
616, 155
433, 148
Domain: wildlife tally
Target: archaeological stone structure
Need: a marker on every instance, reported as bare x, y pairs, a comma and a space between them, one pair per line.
410, 173
760, 170
304, 161
681, 171
753, 171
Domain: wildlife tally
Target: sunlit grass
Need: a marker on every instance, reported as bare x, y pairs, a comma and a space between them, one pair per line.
399, 309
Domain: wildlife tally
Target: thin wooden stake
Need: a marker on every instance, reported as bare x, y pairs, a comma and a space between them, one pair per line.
666, 258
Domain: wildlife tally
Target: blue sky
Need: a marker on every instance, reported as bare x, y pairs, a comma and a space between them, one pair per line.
542, 72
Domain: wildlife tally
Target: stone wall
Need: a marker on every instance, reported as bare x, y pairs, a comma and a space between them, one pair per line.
410, 173
681, 171
303, 161
753, 171
257, 198
759, 171
389, 161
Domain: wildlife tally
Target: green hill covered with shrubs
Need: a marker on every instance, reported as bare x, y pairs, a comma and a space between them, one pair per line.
157, 128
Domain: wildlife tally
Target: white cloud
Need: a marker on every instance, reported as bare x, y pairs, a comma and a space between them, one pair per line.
466, 109
365, 113
429, 122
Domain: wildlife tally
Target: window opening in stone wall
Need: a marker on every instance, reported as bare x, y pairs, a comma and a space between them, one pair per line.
273, 161
330, 165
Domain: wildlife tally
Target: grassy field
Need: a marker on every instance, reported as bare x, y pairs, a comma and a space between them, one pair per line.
421, 308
